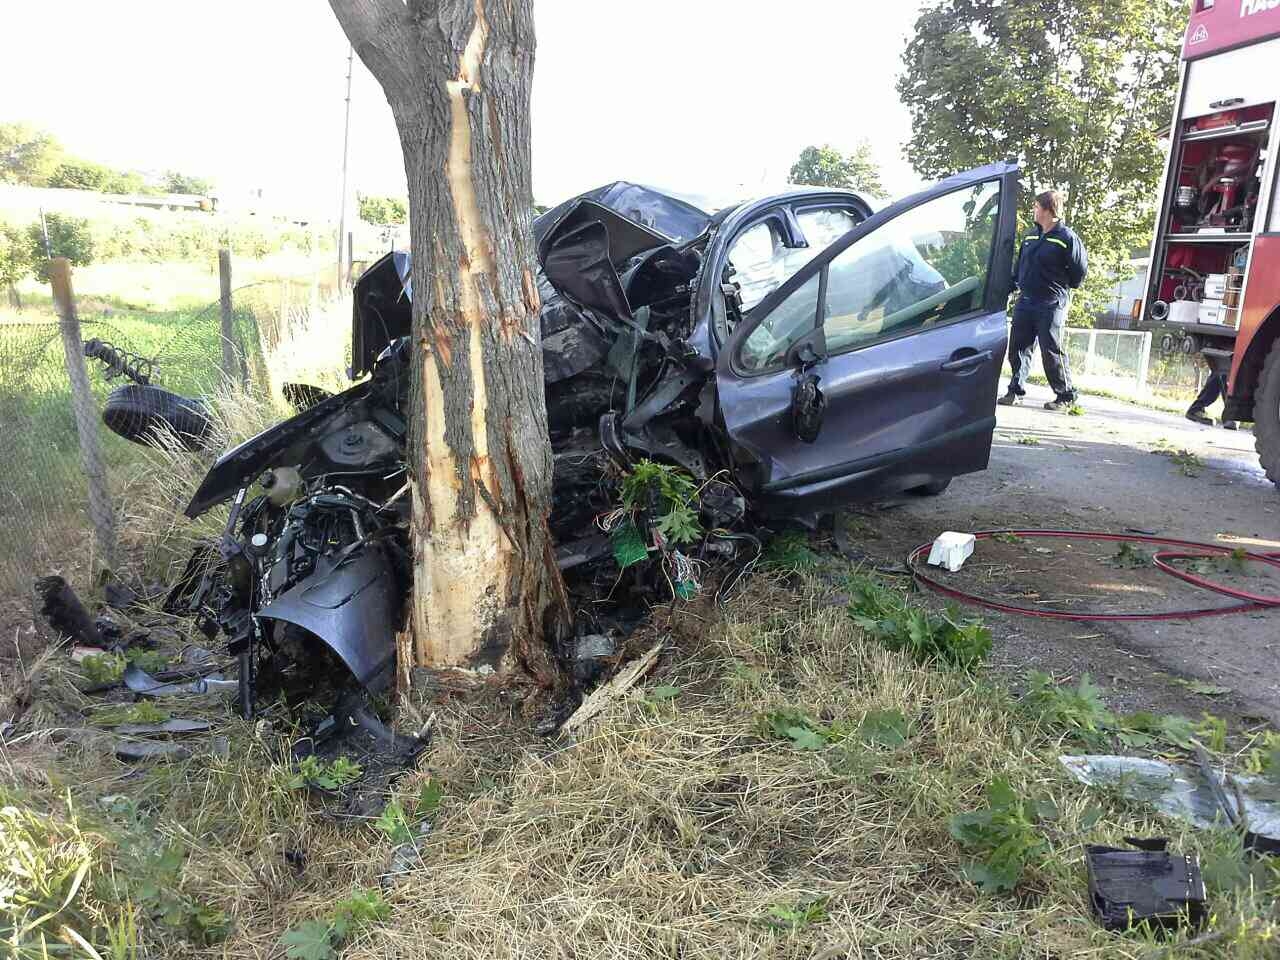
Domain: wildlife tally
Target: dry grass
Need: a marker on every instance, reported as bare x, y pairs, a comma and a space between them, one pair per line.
672, 828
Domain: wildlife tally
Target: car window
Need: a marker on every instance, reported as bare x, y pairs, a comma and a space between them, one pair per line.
767, 345
926, 266
762, 263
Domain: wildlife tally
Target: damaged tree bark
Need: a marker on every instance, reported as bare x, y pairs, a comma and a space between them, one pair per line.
457, 74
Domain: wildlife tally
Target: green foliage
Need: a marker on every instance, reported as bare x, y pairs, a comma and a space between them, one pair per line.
148, 660
1129, 557
175, 181
667, 494
382, 211
1002, 837
101, 669
1076, 89
795, 726
142, 712
1075, 410
826, 166
1028, 441
321, 939
16, 261
789, 552
803, 913
1263, 759
69, 237
149, 875
885, 728
312, 772
887, 616
27, 155
400, 825
1236, 562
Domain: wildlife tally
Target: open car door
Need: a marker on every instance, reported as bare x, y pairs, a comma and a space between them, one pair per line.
874, 369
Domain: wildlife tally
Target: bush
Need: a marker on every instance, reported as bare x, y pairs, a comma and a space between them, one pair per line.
69, 237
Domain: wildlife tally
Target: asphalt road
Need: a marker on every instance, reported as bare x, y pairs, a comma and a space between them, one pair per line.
1113, 469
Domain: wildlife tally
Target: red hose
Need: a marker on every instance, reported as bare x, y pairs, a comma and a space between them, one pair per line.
1251, 601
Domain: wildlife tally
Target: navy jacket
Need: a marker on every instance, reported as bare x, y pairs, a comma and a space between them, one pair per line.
1049, 265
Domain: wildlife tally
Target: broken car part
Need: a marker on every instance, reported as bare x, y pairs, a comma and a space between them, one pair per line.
1148, 886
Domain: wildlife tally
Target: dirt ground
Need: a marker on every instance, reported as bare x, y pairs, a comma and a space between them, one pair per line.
1112, 470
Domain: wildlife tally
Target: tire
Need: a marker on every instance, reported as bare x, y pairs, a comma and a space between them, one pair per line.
145, 414
1266, 415
932, 488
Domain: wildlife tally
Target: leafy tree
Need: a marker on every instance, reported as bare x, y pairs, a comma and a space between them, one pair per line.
27, 155
1075, 89
68, 237
15, 259
174, 181
826, 166
81, 175
382, 211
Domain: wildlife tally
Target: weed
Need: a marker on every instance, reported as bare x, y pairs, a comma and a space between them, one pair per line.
802, 730
1075, 410
1236, 562
1028, 441
1008, 538
148, 660
321, 939
118, 713
886, 728
1264, 759
1129, 557
666, 492
1188, 464
804, 912
789, 552
313, 772
888, 617
103, 669
400, 825
1003, 836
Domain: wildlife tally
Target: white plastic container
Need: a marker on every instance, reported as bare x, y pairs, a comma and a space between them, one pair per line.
1215, 286
1184, 311
951, 550
1210, 311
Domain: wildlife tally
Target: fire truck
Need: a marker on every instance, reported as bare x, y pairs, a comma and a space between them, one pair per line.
1215, 260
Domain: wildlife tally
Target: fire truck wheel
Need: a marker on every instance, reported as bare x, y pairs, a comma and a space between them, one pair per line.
1266, 415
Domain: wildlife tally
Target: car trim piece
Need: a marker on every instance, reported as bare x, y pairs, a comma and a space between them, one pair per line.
865, 465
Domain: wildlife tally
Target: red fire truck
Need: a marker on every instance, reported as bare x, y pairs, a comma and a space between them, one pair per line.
1215, 262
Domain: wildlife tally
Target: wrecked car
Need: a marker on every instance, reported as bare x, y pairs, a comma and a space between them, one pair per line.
790, 354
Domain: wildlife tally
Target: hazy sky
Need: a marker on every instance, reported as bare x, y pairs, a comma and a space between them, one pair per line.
705, 96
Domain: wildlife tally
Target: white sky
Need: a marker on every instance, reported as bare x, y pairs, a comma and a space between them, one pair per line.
714, 97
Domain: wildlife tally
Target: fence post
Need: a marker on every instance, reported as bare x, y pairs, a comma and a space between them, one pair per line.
101, 514
230, 367
1088, 356
1144, 363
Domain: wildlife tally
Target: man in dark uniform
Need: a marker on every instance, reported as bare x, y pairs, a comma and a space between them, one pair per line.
1051, 263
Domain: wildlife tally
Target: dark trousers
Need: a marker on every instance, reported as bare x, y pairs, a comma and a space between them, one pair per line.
1046, 324
1214, 387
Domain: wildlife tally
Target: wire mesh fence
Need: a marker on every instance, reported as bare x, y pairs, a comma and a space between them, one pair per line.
44, 499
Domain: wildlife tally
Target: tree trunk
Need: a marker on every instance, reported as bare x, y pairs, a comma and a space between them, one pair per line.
457, 74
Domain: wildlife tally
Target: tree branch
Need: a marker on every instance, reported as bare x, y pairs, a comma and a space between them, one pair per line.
379, 31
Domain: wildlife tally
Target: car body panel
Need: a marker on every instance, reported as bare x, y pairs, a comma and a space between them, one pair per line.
895, 418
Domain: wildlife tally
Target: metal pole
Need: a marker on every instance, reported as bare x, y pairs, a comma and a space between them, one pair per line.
44, 229
346, 141
101, 514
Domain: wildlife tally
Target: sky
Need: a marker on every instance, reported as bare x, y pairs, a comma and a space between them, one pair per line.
708, 97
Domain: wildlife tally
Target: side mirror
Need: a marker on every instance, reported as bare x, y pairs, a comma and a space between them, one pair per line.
808, 351
808, 408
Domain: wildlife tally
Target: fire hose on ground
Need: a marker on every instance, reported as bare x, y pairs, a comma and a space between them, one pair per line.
1182, 550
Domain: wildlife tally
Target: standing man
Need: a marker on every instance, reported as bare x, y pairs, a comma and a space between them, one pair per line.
1051, 263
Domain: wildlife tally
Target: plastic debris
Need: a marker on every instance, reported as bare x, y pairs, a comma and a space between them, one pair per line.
628, 545
951, 550
173, 725
139, 681
1179, 791
1148, 885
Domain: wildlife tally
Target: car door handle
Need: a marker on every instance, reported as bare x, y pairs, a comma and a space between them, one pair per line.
966, 362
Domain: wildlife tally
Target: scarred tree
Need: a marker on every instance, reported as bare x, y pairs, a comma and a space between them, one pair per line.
457, 74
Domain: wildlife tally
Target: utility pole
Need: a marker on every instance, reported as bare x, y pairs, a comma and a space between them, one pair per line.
346, 140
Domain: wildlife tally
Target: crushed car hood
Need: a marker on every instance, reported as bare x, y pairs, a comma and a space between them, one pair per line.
609, 225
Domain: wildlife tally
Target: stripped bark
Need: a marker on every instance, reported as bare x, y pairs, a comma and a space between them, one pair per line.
457, 74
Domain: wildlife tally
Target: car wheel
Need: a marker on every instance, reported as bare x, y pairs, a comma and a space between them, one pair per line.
931, 489
1266, 415
140, 414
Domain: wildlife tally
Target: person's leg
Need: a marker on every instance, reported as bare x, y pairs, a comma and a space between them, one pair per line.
1022, 340
1209, 393
1051, 331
